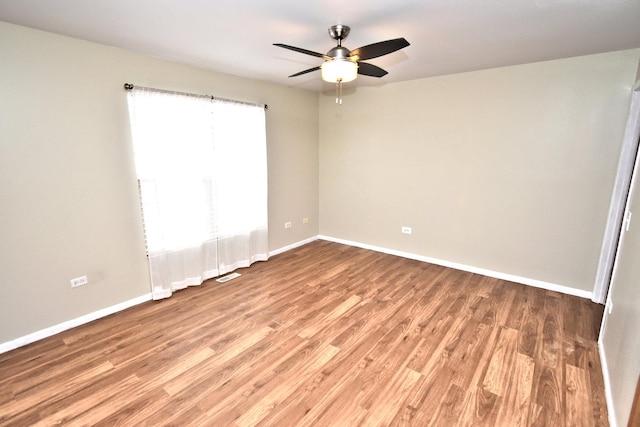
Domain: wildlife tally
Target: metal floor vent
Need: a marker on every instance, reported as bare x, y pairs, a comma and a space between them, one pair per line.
228, 277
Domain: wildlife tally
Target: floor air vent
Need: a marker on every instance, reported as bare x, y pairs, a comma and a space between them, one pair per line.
228, 277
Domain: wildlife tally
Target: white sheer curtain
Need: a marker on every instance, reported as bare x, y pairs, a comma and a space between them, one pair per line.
202, 173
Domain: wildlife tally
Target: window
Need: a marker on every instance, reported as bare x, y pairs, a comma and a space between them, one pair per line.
202, 172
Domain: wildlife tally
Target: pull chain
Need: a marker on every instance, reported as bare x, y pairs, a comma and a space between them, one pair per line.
339, 92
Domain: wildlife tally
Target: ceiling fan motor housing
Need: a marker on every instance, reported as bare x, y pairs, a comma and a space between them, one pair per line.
339, 52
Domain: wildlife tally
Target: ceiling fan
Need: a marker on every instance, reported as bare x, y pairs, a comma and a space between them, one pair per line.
342, 65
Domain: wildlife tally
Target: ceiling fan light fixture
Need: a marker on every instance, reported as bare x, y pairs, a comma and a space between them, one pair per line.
339, 70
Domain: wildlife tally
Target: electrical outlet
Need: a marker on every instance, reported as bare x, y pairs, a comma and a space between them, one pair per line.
305, 220
287, 224
79, 281
406, 230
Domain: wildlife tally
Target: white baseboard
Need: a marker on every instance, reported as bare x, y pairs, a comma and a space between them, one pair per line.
292, 246
503, 276
607, 384
47, 332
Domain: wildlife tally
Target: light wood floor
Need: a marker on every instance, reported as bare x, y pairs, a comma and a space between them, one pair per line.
323, 335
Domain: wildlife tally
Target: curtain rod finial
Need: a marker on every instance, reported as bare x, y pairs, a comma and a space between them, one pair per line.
128, 86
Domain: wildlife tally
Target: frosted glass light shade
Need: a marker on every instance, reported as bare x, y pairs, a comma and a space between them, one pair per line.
339, 70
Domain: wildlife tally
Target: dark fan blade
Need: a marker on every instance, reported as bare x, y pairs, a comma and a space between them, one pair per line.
370, 70
305, 51
378, 49
305, 72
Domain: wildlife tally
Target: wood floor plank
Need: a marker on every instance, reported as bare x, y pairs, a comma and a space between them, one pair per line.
479, 408
502, 364
230, 382
318, 392
449, 408
42, 394
578, 409
387, 402
596, 380
136, 412
547, 408
322, 335
68, 413
251, 399
517, 396
330, 317
261, 409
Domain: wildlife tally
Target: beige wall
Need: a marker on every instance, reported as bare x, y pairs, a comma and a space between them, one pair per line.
620, 335
68, 198
620, 341
508, 170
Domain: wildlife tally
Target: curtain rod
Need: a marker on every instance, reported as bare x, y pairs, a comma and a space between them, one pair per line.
129, 86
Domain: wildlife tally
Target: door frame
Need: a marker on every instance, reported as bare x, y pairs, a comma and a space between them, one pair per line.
634, 417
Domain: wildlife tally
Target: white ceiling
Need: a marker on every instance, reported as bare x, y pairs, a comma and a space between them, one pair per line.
446, 36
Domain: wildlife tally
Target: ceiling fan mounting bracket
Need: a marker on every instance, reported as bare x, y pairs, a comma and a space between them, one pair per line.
339, 32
